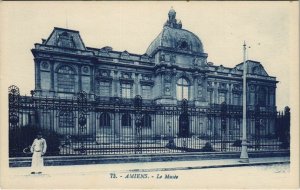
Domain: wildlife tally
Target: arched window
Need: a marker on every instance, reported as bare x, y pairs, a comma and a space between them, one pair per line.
146, 122
262, 97
126, 120
65, 79
104, 120
182, 89
66, 119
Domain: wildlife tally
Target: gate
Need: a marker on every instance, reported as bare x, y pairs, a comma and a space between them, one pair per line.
86, 124
184, 120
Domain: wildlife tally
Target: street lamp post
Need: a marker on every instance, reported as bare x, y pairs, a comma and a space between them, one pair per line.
244, 154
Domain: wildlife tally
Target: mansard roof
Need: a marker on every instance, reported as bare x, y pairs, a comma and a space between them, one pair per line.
65, 38
253, 67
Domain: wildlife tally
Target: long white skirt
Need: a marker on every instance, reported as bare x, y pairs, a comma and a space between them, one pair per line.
37, 162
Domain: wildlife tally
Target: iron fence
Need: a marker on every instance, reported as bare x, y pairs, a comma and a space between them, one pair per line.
86, 126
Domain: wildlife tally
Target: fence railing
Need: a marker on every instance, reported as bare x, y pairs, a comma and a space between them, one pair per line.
82, 126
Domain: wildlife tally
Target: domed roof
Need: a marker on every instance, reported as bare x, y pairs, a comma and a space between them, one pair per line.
174, 37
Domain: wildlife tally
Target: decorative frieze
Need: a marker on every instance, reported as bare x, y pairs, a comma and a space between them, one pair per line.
147, 80
104, 75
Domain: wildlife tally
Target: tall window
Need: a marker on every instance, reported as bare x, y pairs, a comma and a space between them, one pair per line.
66, 119
236, 99
126, 90
104, 120
126, 120
66, 79
146, 122
182, 89
146, 92
104, 88
262, 97
222, 97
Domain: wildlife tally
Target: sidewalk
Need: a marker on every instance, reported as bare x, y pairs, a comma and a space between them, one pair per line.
264, 172
149, 166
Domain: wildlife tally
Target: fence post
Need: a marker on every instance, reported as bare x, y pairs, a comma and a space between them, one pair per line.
138, 102
13, 112
286, 127
257, 127
82, 103
223, 125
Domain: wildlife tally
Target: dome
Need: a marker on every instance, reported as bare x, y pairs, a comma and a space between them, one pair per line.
174, 37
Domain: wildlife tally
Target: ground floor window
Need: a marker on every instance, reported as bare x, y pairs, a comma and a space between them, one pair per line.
126, 120
146, 122
104, 120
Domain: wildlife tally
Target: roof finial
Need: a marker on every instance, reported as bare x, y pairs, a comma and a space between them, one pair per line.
172, 14
172, 22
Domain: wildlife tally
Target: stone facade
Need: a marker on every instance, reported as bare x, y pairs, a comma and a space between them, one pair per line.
173, 67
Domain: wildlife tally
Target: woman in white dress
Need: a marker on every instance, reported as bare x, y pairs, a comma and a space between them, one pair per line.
38, 148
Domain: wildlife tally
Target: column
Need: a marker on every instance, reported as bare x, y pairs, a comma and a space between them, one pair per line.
136, 84
79, 79
92, 81
116, 85
195, 89
52, 75
139, 91
37, 75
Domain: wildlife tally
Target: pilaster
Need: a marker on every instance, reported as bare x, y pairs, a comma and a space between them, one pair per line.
37, 75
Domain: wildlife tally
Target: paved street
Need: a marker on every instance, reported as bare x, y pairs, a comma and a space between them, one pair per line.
179, 174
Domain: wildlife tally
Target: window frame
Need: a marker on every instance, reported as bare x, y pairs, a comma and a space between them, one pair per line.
182, 90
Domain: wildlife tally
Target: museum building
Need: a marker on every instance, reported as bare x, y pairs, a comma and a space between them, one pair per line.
173, 68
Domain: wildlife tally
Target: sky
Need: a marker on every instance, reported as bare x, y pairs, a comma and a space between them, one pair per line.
269, 28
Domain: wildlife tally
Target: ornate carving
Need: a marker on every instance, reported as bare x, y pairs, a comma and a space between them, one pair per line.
162, 57
200, 91
65, 40
220, 68
102, 73
146, 77
237, 87
172, 22
45, 65
252, 88
209, 84
105, 51
201, 80
172, 58
145, 57
125, 55
197, 61
222, 85
167, 89
168, 77
85, 69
